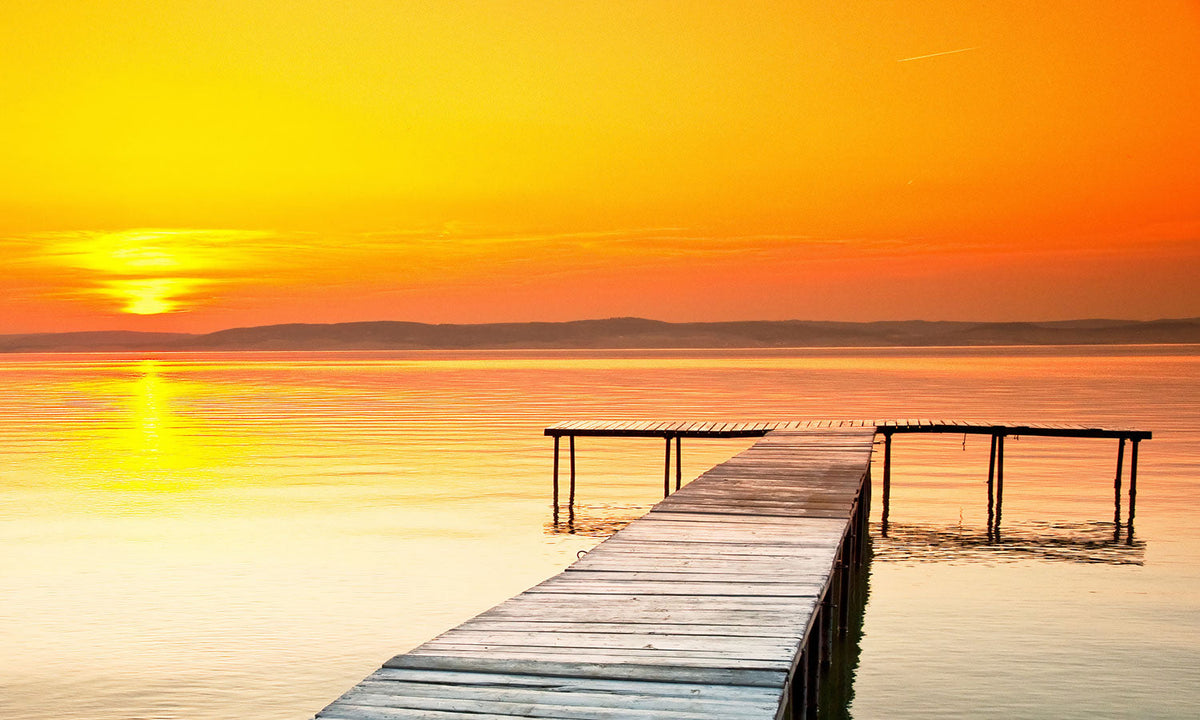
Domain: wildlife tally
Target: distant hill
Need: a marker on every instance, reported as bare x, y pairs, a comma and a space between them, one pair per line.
101, 341
617, 333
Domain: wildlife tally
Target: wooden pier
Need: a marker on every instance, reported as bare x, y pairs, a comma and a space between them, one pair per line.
721, 602
674, 432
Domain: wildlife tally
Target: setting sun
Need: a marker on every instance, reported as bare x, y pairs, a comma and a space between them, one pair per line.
149, 296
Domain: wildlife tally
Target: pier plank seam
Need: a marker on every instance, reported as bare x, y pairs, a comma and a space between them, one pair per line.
682, 614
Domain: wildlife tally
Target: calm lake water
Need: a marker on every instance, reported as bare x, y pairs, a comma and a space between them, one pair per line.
225, 536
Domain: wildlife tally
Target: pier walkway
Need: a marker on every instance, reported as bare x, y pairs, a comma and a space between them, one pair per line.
718, 603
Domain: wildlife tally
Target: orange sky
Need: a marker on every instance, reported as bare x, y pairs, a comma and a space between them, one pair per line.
188, 165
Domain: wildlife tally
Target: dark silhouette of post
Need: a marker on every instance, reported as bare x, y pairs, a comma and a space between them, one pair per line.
556, 439
667, 471
1133, 458
1117, 492
999, 483
887, 482
991, 485
571, 499
678, 461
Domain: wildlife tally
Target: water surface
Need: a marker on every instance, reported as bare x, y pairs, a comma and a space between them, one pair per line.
213, 536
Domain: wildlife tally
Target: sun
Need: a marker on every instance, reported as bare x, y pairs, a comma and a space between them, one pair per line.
153, 271
150, 296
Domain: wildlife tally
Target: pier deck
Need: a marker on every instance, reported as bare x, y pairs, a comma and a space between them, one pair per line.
719, 603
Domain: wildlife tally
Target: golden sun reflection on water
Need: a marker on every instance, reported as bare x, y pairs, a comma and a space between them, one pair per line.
153, 446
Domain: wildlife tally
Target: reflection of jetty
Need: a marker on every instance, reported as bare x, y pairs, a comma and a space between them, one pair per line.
1072, 542
722, 602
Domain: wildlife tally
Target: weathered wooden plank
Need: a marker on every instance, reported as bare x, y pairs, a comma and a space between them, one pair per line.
574, 683
715, 516
710, 566
691, 589
663, 659
586, 625
371, 706
591, 670
714, 576
623, 695
651, 610
746, 646
683, 548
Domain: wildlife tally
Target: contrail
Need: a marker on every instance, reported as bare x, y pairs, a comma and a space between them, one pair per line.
947, 52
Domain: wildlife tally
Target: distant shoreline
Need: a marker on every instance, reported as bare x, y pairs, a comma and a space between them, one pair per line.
618, 334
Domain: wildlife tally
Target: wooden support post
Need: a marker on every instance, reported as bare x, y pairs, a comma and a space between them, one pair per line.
1117, 492
887, 482
812, 682
1133, 458
860, 527
844, 594
667, 471
571, 497
866, 498
999, 483
855, 529
991, 484
827, 621
556, 440
864, 518
813, 677
678, 461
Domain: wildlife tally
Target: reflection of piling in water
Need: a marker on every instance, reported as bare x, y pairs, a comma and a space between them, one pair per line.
837, 688
1080, 542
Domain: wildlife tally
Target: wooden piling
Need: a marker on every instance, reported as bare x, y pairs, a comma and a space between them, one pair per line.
812, 682
887, 482
571, 497
991, 489
556, 441
1117, 491
678, 461
999, 483
667, 471
1133, 462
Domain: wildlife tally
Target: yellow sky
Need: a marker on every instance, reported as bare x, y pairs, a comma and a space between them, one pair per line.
196, 165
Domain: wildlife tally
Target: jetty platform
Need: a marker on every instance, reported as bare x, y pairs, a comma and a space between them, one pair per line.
721, 602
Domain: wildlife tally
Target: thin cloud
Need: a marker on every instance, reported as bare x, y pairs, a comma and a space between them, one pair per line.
938, 54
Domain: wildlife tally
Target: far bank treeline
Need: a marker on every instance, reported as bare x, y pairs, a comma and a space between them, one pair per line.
618, 333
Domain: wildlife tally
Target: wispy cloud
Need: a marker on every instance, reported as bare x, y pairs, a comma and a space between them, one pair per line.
153, 271
938, 54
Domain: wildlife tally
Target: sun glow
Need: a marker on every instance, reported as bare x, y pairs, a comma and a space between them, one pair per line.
150, 296
151, 271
